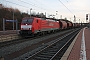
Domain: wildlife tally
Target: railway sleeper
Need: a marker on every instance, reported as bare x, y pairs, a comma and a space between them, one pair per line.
51, 50
54, 47
40, 58
46, 56
51, 53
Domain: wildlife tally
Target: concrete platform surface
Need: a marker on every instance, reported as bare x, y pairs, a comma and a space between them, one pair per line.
80, 47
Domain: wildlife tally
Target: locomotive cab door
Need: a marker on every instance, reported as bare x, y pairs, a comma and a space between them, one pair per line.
36, 25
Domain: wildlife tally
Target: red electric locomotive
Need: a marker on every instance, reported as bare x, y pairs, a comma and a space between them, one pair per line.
38, 25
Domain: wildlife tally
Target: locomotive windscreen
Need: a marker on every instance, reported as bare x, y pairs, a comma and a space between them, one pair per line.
27, 21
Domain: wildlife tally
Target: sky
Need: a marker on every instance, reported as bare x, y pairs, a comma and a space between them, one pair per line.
59, 8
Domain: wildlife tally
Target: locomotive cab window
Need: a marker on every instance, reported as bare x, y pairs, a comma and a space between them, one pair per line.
27, 21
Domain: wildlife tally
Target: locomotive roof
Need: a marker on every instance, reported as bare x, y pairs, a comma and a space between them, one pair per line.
52, 19
28, 17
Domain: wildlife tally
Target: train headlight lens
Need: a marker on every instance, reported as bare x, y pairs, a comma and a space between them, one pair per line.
26, 24
29, 28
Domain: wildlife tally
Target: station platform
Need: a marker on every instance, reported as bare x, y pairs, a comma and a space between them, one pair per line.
79, 48
9, 35
7, 32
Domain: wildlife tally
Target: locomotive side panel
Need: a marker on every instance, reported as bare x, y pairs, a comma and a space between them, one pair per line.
44, 25
36, 25
48, 25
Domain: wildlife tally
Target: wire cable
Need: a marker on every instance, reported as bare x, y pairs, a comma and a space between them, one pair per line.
65, 6
35, 6
69, 4
28, 7
41, 3
17, 4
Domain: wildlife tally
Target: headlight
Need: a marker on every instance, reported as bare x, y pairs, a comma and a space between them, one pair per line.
29, 28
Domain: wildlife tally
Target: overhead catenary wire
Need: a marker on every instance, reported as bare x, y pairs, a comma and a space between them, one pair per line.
69, 4
67, 0
41, 4
28, 4
66, 6
36, 6
73, 9
45, 6
16, 4
40, 9
32, 5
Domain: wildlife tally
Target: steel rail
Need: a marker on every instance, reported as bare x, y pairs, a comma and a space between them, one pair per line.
49, 46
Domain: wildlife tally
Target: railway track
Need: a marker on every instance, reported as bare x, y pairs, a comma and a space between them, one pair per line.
23, 50
16, 41
51, 52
